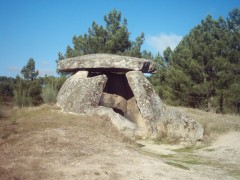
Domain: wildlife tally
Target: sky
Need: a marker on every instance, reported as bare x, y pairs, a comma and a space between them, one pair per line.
39, 29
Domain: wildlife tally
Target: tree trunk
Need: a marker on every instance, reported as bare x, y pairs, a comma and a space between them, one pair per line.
221, 102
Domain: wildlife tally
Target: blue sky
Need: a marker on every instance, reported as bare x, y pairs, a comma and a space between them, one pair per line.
41, 28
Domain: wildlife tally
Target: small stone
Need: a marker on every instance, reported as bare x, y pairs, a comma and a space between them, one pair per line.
126, 127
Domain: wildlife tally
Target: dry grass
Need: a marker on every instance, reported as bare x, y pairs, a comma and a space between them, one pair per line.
34, 137
214, 124
2, 115
2, 112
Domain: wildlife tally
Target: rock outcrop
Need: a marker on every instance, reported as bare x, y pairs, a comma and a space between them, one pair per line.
177, 125
115, 87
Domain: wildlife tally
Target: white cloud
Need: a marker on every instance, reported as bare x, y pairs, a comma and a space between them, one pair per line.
14, 69
49, 72
161, 42
45, 63
46, 67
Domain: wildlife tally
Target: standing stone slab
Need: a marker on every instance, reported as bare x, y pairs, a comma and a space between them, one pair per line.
148, 102
79, 94
133, 114
66, 88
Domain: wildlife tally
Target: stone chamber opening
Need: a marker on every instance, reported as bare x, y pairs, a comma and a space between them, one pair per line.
118, 95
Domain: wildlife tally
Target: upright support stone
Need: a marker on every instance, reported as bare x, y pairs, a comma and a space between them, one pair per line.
148, 102
79, 94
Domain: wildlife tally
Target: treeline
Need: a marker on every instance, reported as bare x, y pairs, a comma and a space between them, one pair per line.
202, 72
204, 69
30, 90
113, 38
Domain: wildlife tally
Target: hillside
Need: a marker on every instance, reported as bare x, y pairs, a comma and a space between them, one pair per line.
45, 143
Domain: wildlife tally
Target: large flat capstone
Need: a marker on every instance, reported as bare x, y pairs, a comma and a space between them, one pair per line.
106, 63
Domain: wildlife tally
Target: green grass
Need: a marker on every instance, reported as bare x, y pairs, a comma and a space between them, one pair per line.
166, 140
184, 150
192, 162
2, 113
235, 173
178, 165
209, 150
166, 156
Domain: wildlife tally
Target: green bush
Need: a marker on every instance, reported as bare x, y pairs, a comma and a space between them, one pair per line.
49, 94
27, 93
22, 98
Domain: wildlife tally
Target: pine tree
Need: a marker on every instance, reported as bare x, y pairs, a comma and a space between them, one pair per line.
167, 54
27, 91
204, 69
114, 38
28, 71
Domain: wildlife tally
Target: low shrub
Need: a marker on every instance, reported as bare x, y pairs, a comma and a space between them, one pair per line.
22, 98
2, 114
49, 94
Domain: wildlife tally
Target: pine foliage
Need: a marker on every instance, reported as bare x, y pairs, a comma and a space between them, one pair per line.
204, 69
113, 38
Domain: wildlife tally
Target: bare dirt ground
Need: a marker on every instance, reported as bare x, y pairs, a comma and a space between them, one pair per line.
45, 143
217, 161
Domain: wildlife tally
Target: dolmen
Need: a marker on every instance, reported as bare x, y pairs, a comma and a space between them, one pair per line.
115, 87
